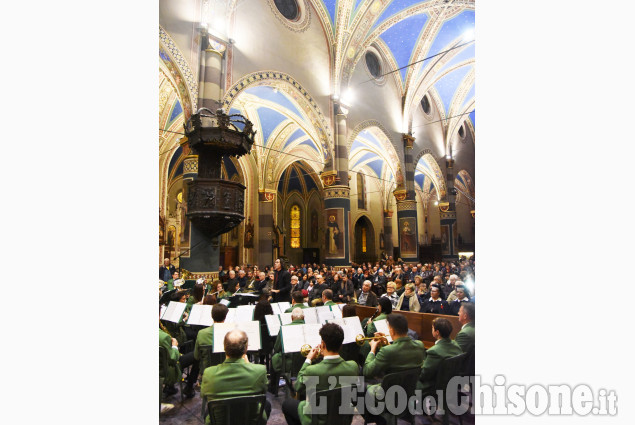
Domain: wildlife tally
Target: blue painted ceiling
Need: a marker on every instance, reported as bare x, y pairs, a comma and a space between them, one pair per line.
269, 120
294, 177
275, 96
401, 39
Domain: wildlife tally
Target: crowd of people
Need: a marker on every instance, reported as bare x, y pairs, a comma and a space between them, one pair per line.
440, 288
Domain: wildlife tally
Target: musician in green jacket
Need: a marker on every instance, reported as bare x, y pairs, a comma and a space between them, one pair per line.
443, 348
384, 308
297, 318
235, 377
404, 352
299, 412
327, 297
206, 336
173, 372
465, 337
297, 300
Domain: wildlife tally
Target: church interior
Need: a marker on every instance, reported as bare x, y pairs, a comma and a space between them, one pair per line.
360, 116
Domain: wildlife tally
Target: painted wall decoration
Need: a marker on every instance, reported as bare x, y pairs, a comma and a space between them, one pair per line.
381, 239
445, 239
408, 237
249, 234
335, 233
314, 226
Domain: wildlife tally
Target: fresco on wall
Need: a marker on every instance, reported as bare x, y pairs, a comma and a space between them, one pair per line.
408, 237
334, 234
445, 239
314, 226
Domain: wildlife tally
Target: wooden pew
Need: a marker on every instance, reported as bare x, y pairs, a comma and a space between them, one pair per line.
421, 323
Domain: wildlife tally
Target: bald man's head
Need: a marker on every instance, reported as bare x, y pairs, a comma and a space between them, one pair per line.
235, 344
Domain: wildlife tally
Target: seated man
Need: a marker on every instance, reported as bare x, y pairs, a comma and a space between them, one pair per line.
297, 300
403, 353
443, 348
235, 377
261, 283
297, 318
365, 296
320, 287
178, 363
299, 412
206, 336
465, 337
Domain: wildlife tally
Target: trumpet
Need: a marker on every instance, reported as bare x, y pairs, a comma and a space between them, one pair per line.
359, 339
306, 349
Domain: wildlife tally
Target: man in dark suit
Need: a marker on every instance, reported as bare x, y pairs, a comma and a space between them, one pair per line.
281, 283
365, 296
166, 270
235, 377
344, 290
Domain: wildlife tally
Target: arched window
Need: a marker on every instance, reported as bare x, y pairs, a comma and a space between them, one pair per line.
361, 192
295, 226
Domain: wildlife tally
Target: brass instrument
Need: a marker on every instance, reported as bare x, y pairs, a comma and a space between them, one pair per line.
359, 339
306, 349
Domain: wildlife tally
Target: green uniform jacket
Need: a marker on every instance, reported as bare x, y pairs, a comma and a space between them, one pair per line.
204, 337
170, 284
403, 353
173, 372
276, 359
465, 337
324, 369
301, 305
371, 329
233, 378
330, 302
443, 349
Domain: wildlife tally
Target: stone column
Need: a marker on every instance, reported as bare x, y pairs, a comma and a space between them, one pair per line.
204, 252
210, 89
337, 202
266, 232
407, 208
448, 214
388, 247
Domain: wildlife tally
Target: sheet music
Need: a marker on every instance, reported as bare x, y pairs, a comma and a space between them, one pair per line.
276, 308
163, 308
231, 315
292, 338
324, 315
284, 305
285, 318
273, 324
244, 313
310, 316
174, 312
323, 308
200, 315
337, 312
382, 326
351, 326
251, 328
312, 334
355, 325
224, 301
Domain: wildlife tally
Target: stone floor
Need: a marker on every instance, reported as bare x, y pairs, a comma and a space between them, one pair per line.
189, 412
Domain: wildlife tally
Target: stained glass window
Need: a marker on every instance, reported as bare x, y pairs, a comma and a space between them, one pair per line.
295, 226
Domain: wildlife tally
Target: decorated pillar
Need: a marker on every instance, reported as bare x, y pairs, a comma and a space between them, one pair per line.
200, 253
210, 88
407, 208
266, 233
388, 247
337, 202
448, 214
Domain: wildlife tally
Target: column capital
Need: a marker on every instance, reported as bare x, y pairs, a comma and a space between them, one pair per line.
407, 205
408, 140
266, 195
329, 178
337, 192
387, 213
190, 165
